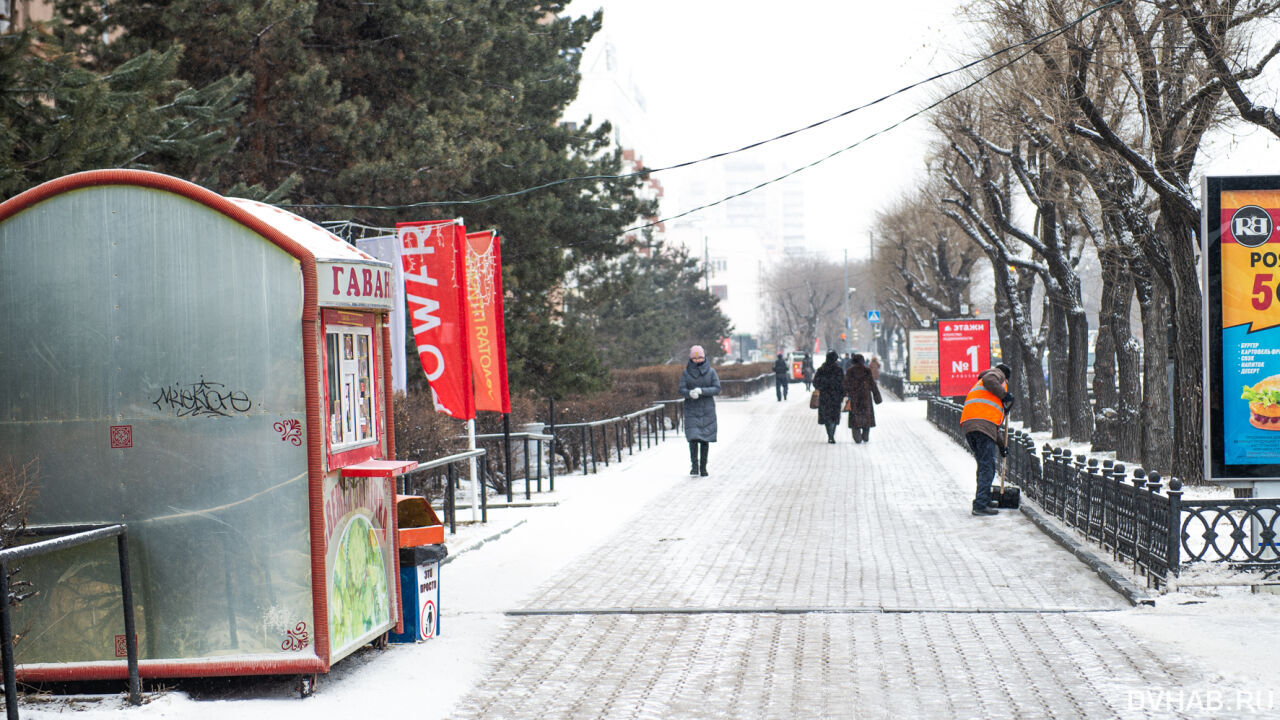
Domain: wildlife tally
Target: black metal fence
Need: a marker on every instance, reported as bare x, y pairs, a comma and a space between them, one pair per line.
899, 386
444, 471
1132, 513
745, 387
534, 461
587, 444
68, 536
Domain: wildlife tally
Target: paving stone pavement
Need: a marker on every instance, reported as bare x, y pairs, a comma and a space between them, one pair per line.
808, 580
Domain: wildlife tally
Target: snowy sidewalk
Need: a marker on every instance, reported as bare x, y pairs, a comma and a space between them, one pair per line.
799, 580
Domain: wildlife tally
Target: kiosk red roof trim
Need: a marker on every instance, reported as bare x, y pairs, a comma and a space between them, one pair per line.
332, 272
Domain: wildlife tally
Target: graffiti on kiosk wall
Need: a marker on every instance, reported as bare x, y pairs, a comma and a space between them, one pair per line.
201, 399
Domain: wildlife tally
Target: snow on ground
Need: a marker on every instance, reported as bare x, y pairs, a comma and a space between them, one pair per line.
424, 680
1229, 631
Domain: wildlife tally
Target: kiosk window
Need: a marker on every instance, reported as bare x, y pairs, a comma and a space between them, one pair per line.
350, 381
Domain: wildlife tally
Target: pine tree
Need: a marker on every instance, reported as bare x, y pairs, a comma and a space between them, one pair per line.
408, 102
58, 115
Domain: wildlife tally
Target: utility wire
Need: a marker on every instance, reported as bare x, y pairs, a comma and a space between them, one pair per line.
1045, 36
882, 131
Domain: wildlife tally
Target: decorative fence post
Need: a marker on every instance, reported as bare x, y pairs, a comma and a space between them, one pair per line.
1175, 526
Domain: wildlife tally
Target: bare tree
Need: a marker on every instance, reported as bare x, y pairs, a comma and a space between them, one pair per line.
930, 269
806, 295
1177, 101
1219, 30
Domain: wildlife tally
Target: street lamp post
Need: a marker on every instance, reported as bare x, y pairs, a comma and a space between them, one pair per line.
848, 322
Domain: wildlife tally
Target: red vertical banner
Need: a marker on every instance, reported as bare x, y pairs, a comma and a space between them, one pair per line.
964, 350
487, 335
435, 289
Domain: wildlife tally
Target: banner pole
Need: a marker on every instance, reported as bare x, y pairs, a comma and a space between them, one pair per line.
506, 452
471, 464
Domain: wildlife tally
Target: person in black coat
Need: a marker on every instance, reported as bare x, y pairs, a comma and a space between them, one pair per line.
806, 371
781, 377
829, 382
862, 390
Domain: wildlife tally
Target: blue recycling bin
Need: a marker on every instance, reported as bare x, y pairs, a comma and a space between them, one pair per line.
420, 592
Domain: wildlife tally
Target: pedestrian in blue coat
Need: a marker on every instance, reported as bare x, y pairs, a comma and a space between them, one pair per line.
699, 385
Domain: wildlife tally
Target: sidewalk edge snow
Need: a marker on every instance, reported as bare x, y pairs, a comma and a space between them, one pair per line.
1135, 595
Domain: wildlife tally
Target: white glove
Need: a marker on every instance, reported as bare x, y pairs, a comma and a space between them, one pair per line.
695, 393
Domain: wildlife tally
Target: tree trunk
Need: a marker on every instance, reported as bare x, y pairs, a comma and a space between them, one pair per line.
1078, 374
1157, 436
1010, 350
1188, 422
1129, 374
1059, 377
1105, 400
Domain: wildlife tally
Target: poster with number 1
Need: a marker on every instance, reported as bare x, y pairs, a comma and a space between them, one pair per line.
964, 350
1242, 318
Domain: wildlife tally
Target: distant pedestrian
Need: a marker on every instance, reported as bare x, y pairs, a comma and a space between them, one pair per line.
874, 366
781, 377
862, 390
806, 371
699, 384
980, 420
845, 362
829, 381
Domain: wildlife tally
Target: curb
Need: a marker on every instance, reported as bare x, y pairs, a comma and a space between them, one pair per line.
1135, 595
479, 543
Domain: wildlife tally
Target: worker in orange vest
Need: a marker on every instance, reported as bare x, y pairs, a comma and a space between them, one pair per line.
980, 420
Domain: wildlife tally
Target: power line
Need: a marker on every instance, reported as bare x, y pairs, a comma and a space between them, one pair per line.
1045, 36
882, 131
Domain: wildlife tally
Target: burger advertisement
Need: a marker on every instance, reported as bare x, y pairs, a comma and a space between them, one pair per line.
1244, 332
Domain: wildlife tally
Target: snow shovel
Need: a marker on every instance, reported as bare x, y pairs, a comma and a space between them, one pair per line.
1005, 498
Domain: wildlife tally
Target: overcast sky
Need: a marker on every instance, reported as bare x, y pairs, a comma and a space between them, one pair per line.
720, 74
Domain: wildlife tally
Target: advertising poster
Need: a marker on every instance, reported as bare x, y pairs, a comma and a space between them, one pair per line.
922, 356
964, 350
432, 254
1243, 327
487, 333
358, 556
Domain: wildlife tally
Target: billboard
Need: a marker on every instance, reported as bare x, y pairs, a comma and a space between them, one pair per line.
1241, 328
964, 350
922, 356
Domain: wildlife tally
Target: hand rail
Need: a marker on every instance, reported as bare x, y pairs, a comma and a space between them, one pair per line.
449, 462
81, 534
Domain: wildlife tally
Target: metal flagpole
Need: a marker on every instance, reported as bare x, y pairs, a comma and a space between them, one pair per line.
471, 463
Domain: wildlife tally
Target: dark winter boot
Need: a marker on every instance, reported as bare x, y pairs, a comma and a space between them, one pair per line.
693, 459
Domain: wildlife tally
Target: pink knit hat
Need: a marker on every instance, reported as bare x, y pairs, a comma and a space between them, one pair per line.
697, 352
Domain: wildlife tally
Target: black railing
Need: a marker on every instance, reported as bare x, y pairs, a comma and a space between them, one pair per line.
674, 408
586, 444
533, 462
417, 480
899, 386
69, 536
747, 386
1133, 513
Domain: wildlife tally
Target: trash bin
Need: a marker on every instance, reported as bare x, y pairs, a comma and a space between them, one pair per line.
420, 592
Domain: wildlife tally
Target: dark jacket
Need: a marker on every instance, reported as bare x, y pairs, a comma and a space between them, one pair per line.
781, 369
829, 382
994, 381
700, 413
861, 389
806, 368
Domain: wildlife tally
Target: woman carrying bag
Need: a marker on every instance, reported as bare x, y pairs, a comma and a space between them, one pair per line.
828, 383
861, 389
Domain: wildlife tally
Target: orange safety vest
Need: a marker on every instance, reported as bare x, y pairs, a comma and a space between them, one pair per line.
982, 404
